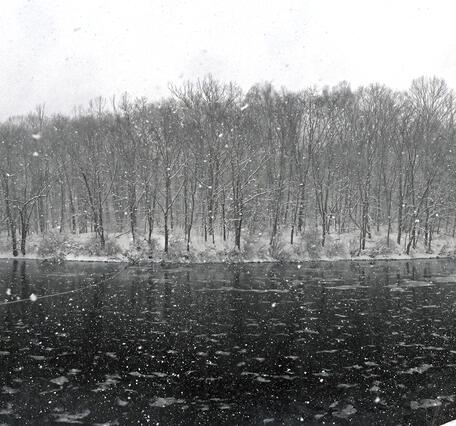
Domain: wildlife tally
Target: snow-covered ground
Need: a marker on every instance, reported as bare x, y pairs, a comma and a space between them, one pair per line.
255, 248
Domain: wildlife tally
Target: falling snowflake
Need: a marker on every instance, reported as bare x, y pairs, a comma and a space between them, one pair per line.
36, 136
33, 297
35, 154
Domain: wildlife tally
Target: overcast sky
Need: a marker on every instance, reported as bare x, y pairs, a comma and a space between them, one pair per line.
62, 53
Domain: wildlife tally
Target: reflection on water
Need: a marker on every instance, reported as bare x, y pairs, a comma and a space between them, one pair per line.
213, 344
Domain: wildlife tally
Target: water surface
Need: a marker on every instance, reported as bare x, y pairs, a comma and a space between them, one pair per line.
333, 343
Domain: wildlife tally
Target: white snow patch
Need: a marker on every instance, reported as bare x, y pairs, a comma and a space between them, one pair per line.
60, 380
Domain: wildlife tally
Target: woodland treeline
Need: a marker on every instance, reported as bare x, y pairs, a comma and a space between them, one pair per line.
213, 161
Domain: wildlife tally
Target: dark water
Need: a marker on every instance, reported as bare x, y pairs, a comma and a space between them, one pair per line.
331, 343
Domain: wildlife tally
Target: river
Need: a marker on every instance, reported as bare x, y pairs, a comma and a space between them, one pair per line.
329, 342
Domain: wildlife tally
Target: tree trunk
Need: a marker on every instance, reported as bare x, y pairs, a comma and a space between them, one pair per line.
72, 211
400, 210
9, 216
166, 209
389, 197
62, 208
100, 228
165, 217
237, 232
132, 209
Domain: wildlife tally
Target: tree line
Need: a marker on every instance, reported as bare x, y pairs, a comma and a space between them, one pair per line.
213, 161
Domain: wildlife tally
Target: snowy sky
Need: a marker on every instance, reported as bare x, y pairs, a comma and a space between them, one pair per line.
62, 53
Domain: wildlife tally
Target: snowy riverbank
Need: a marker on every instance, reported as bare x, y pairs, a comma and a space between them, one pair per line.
255, 248
123, 259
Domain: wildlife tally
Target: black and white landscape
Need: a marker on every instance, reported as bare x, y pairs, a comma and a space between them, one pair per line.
227, 213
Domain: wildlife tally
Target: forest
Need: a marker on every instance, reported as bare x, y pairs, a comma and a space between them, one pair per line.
215, 164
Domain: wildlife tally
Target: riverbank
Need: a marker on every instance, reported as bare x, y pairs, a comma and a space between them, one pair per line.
105, 259
58, 247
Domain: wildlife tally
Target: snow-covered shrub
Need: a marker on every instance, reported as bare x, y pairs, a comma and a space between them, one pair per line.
298, 248
312, 240
314, 250
92, 246
177, 250
112, 247
335, 247
212, 254
381, 248
33, 242
53, 247
153, 246
254, 247
446, 251
353, 246
234, 256
277, 250
141, 249
5, 244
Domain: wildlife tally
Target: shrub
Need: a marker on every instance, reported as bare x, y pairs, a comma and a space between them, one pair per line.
211, 254
445, 250
141, 250
335, 248
298, 248
53, 247
312, 240
112, 247
177, 248
93, 247
5, 244
234, 256
253, 247
353, 247
177, 251
381, 248
277, 250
